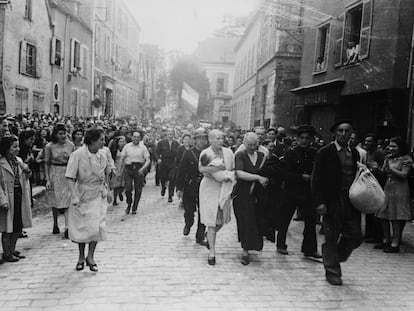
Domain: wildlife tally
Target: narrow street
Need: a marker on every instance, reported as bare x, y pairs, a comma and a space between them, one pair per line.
146, 264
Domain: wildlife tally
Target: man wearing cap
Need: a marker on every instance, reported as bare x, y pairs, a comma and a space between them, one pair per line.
188, 183
298, 165
333, 174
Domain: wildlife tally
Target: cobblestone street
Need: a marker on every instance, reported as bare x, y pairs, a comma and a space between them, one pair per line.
146, 264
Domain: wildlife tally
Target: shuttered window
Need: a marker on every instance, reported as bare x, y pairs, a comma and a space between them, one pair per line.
339, 40
365, 37
30, 59
56, 52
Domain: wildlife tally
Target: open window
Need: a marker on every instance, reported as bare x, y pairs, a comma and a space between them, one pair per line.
30, 59
56, 52
75, 59
354, 34
322, 48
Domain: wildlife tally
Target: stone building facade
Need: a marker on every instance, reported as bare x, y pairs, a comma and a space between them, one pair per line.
71, 57
116, 60
25, 75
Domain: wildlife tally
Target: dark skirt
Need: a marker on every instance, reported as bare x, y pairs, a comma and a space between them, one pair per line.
17, 217
245, 210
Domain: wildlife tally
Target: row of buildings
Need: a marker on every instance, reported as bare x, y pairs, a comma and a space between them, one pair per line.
315, 61
73, 57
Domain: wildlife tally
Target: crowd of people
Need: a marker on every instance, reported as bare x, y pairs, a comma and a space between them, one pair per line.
263, 175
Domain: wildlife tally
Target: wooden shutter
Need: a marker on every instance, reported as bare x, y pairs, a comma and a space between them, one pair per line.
38, 62
366, 24
81, 56
72, 55
53, 50
339, 40
23, 47
77, 55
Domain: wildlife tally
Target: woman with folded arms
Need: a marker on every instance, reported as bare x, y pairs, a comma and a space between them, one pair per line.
15, 205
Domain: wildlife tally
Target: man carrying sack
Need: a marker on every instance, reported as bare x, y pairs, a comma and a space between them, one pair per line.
333, 174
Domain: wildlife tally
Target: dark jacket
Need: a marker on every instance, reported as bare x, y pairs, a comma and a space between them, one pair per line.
326, 182
180, 153
167, 154
298, 161
188, 175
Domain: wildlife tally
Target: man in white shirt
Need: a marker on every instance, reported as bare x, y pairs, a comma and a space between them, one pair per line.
136, 159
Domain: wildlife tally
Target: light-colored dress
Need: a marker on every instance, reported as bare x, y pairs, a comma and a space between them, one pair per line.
87, 221
59, 196
397, 192
211, 213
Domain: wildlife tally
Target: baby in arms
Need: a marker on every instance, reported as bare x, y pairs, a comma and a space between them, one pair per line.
221, 175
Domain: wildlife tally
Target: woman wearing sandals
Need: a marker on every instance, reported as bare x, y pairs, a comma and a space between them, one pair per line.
214, 208
88, 174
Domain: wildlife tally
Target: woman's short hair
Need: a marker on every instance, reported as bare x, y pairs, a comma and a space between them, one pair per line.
25, 135
58, 128
75, 132
402, 145
92, 135
6, 143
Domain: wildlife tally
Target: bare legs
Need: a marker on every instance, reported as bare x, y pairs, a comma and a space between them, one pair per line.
397, 229
91, 252
56, 212
211, 238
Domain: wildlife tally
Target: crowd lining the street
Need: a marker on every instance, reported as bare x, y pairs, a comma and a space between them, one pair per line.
264, 175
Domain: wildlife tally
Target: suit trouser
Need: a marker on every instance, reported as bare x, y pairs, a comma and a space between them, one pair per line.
191, 205
373, 227
288, 207
342, 235
168, 175
132, 176
157, 174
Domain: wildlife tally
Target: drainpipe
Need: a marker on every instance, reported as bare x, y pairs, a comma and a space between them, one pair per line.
3, 12
410, 84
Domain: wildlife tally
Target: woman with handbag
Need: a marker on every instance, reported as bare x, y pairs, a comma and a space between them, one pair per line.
88, 176
396, 212
15, 198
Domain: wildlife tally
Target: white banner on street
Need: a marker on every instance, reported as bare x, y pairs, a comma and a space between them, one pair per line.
189, 98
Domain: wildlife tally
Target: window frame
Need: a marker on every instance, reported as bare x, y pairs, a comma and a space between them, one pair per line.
75, 58
28, 10
364, 31
53, 51
327, 25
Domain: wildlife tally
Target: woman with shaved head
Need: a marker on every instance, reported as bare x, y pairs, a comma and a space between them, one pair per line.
248, 163
214, 209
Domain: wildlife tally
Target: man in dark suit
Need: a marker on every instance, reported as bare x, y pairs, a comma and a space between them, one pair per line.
334, 171
298, 165
166, 157
188, 184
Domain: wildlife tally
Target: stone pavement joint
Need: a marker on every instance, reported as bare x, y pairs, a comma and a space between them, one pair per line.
146, 264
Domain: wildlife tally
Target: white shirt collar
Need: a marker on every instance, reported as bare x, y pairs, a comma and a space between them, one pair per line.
339, 147
90, 154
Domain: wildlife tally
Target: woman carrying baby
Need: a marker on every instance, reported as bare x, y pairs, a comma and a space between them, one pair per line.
216, 165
